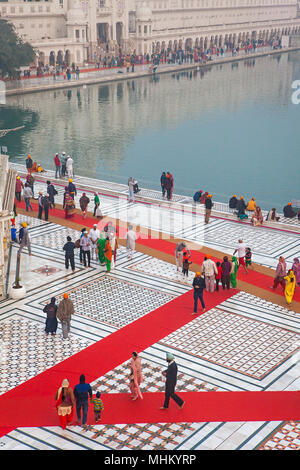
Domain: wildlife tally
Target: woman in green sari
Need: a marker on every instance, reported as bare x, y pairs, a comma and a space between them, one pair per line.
234, 270
100, 249
96, 202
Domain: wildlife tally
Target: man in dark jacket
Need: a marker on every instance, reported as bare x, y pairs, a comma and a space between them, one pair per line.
44, 204
72, 189
208, 207
69, 248
171, 379
241, 207
233, 202
288, 211
29, 162
82, 391
199, 286
163, 182
197, 196
52, 192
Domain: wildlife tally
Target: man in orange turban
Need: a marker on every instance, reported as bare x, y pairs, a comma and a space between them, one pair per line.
64, 312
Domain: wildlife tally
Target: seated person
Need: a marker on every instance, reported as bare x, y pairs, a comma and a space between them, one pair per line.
233, 202
40, 169
257, 218
272, 216
197, 196
241, 207
34, 167
251, 205
136, 188
288, 211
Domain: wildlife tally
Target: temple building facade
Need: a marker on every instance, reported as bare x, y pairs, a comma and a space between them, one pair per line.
81, 31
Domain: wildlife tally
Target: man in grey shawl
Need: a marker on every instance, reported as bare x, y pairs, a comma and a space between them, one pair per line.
64, 312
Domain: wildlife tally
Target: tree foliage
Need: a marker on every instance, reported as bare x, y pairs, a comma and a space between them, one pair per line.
14, 52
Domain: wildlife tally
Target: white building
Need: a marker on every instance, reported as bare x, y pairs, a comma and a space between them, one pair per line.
82, 30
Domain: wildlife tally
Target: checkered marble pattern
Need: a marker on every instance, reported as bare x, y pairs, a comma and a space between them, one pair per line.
227, 234
26, 350
286, 437
116, 380
156, 436
162, 269
236, 342
248, 299
55, 239
116, 302
158, 196
31, 221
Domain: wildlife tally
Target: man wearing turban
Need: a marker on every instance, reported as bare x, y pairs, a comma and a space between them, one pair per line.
171, 379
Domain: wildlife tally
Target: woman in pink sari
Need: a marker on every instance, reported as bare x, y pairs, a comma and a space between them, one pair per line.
135, 377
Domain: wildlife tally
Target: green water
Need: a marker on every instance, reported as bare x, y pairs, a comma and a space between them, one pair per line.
229, 129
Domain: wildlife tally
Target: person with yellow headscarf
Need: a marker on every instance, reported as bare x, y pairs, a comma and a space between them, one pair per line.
289, 286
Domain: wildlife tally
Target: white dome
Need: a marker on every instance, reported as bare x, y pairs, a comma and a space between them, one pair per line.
143, 13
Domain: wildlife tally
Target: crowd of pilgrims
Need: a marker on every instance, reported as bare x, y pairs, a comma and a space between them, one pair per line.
164, 56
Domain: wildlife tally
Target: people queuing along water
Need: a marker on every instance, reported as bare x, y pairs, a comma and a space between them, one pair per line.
121, 59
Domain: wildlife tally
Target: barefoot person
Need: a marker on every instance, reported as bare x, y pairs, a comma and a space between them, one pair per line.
65, 403
135, 377
241, 251
280, 274
289, 286
171, 379
199, 286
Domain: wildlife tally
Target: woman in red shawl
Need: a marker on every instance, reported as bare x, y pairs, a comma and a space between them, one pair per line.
136, 377
65, 403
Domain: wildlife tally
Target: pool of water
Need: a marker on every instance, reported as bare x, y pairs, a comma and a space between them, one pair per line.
228, 129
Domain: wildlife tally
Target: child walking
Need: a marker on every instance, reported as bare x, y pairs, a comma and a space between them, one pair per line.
98, 406
219, 275
185, 264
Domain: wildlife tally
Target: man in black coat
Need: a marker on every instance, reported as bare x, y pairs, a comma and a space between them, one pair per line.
199, 286
171, 379
233, 202
69, 248
208, 207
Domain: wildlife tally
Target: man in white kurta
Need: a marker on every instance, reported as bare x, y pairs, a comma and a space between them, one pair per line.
69, 166
93, 236
130, 241
113, 244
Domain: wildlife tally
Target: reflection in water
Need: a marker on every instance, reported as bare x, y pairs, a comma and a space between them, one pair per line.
224, 128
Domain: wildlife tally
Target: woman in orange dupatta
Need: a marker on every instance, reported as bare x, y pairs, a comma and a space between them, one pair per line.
107, 255
136, 377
